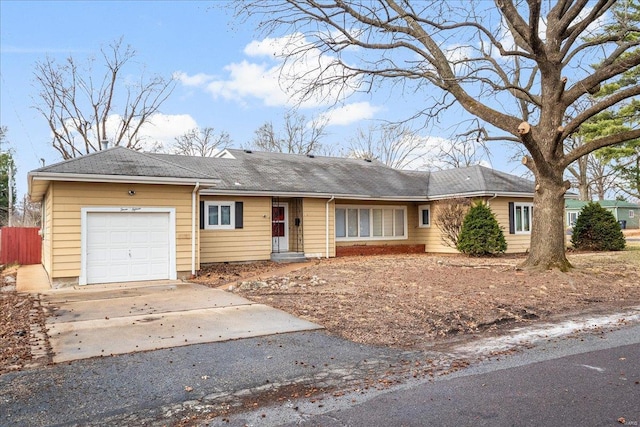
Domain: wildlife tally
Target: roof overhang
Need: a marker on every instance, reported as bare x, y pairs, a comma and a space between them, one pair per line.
481, 194
39, 181
252, 193
221, 192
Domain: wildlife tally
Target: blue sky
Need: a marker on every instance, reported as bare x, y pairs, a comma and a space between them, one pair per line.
227, 72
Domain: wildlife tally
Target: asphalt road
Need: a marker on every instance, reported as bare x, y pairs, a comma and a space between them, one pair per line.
158, 386
593, 380
584, 380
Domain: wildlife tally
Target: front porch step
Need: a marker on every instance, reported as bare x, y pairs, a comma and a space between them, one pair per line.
288, 257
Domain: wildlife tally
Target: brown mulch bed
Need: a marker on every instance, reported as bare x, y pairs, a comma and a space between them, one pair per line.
414, 301
15, 318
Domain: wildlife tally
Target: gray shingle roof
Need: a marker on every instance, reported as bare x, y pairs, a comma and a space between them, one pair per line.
293, 173
121, 161
277, 173
477, 179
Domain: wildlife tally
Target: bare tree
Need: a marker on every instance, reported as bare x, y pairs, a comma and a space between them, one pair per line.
591, 175
299, 136
27, 214
202, 142
449, 216
83, 109
515, 65
466, 150
395, 145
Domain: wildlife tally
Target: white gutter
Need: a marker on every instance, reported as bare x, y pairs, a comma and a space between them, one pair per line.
327, 223
193, 228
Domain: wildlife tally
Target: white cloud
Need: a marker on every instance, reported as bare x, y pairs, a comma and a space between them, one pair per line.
288, 66
164, 128
195, 80
350, 113
159, 129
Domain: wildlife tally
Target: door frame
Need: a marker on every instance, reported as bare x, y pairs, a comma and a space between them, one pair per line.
82, 279
279, 247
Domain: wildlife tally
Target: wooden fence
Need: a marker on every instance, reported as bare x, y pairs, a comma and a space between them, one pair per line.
21, 245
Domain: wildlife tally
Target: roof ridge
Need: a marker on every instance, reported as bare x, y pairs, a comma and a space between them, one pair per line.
73, 159
309, 155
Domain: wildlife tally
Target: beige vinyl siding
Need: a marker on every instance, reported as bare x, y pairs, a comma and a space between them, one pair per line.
47, 231
431, 236
250, 243
314, 228
70, 197
516, 243
413, 236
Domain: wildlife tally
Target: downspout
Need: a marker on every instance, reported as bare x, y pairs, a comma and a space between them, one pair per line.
327, 223
489, 200
193, 228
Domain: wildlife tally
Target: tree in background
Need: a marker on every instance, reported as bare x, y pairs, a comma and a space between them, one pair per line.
299, 136
395, 145
83, 108
590, 174
516, 66
7, 179
202, 142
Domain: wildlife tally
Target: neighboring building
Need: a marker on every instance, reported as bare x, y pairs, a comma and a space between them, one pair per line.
120, 215
627, 214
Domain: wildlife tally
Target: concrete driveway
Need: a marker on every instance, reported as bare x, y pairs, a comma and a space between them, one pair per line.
102, 320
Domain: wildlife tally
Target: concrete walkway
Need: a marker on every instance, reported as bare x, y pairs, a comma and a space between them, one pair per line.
32, 278
101, 320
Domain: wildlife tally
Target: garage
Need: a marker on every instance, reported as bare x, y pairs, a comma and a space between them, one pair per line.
128, 244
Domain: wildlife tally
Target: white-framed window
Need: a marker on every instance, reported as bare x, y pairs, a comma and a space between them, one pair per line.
571, 218
219, 215
631, 213
424, 216
371, 222
523, 217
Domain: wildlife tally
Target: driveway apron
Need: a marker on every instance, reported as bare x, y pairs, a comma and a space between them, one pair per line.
101, 320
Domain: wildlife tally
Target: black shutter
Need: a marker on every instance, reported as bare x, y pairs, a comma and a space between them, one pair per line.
512, 218
202, 215
239, 212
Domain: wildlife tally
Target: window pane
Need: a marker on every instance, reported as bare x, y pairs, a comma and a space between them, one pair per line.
352, 222
225, 215
387, 222
364, 222
518, 218
340, 223
377, 222
277, 229
526, 226
213, 215
425, 217
399, 223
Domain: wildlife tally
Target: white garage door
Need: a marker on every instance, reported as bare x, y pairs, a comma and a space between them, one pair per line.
127, 246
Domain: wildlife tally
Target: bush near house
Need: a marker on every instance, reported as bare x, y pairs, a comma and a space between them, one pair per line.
596, 229
481, 234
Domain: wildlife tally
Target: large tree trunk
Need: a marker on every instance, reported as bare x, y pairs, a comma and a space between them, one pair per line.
548, 235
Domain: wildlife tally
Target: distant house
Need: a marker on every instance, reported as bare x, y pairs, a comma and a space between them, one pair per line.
120, 215
628, 214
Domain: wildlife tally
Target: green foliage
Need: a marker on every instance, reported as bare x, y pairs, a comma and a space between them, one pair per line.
624, 159
481, 234
596, 229
7, 168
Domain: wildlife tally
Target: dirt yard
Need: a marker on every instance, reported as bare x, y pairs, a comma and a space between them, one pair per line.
404, 301
414, 301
